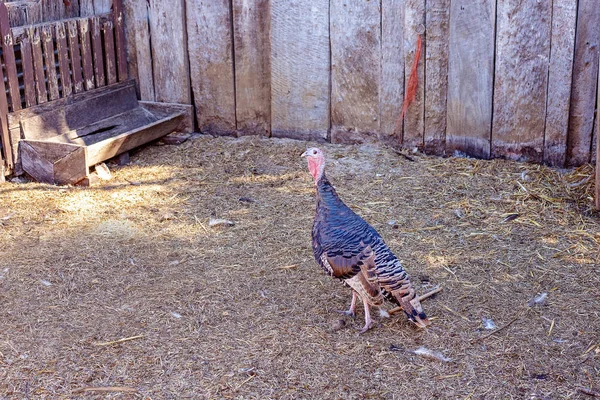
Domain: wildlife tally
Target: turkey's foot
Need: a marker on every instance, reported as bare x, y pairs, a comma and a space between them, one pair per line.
350, 312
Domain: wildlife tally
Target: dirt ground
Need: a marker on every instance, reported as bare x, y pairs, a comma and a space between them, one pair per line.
244, 312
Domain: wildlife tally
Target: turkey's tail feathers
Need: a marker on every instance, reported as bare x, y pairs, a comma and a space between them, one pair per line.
400, 287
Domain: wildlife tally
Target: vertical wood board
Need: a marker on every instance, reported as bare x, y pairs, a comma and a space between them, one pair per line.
86, 54
583, 91
171, 74
564, 17
139, 54
211, 65
470, 77
38, 65
414, 25
251, 26
120, 40
391, 87
436, 75
9, 59
355, 70
520, 87
97, 51
28, 71
109, 52
63, 59
300, 69
75, 54
50, 61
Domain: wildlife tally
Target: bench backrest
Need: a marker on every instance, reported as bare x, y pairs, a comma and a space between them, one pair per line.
54, 60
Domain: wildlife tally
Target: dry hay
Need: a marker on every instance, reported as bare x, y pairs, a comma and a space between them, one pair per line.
124, 291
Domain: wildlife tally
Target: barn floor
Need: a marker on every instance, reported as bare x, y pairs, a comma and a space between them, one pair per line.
244, 312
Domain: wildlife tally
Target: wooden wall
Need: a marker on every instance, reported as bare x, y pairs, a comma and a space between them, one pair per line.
496, 78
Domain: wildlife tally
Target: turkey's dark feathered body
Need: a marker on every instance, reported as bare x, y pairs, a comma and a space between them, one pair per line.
338, 233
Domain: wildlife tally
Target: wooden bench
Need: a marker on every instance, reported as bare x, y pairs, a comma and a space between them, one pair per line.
68, 103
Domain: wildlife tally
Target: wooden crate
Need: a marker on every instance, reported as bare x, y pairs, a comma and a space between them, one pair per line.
69, 103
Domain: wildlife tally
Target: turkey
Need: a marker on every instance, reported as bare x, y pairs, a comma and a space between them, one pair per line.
348, 248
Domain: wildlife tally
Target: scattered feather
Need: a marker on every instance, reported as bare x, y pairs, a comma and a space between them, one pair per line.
510, 217
45, 282
176, 315
538, 300
425, 352
214, 222
488, 323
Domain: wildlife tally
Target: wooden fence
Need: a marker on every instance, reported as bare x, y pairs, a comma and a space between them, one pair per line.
497, 78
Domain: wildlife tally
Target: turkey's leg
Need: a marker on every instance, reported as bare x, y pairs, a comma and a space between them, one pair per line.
368, 320
351, 312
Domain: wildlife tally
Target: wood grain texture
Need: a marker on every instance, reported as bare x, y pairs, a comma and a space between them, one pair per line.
120, 40
22, 13
28, 71
86, 54
171, 74
520, 87
50, 61
597, 192
7, 148
211, 65
414, 24
139, 54
300, 69
355, 70
97, 51
10, 65
52, 10
102, 6
75, 55
470, 77
86, 8
436, 75
564, 17
110, 58
38, 65
251, 26
585, 73
63, 59
391, 87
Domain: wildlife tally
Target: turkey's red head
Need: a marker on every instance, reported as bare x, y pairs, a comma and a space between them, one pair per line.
316, 162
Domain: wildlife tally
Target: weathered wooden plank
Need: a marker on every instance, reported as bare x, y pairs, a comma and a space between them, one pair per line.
75, 54
251, 25
414, 25
300, 69
102, 6
564, 17
470, 77
50, 61
7, 149
171, 70
86, 8
109, 52
63, 59
97, 51
71, 9
24, 12
355, 70
138, 47
436, 75
212, 77
52, 10
391, 88
585, 71
86, 54
38, 65
523, 53
9, 60
120, 40
54, 163
597, 194
28, 71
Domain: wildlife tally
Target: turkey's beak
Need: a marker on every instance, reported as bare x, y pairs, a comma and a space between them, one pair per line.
305, 154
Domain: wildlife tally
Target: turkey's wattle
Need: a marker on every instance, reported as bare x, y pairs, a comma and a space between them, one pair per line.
348, 248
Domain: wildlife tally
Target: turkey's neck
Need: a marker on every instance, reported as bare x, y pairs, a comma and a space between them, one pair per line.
316, 166
326, 194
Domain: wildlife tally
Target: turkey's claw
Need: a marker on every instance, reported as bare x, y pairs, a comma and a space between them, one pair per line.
368, 325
